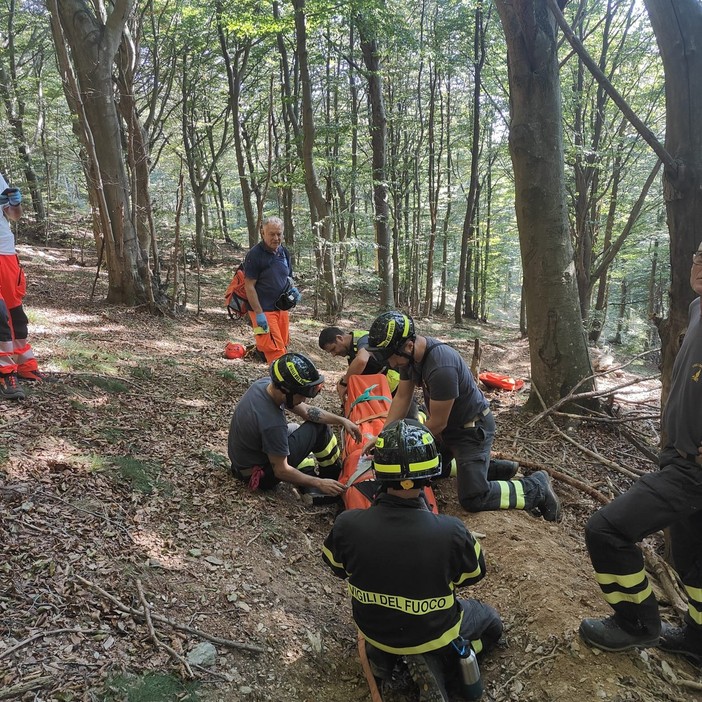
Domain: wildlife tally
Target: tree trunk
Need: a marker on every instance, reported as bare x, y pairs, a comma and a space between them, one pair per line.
371, 59
557, 345
677, 25
464, 283
94, 45
320, 211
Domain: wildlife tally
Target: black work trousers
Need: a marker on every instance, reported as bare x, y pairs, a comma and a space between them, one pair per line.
481, 626
672, 498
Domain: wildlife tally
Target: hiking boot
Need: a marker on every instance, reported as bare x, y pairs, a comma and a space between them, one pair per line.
682, 640
500, 469
314, 496
609, 635
550, 505
10, 388
427, 673
35, 376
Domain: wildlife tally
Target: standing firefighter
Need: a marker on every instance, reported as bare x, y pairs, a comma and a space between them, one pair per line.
265, 450
670, 498
16, 355
459, 418
404, 564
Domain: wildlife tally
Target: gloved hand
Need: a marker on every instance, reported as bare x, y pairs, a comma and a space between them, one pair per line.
297, 296
10, 196
262, 322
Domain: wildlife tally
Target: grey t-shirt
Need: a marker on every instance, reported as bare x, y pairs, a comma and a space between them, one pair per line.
258, 428
682, 416
444, 375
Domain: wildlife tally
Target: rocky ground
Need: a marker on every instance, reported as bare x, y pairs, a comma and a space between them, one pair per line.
115, 499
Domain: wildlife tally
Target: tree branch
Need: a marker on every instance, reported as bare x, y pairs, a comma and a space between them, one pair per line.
646, 134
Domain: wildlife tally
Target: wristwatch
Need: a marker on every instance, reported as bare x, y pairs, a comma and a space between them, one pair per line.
343, 382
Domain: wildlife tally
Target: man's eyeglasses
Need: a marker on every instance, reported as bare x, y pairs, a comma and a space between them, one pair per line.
697, 258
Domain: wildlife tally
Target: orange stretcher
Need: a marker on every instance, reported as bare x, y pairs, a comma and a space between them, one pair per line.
500, 381
367, 403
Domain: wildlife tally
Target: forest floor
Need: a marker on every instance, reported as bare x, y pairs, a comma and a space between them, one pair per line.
115, 490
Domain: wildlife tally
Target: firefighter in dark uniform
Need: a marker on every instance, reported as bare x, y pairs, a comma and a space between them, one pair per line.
404, 564
459, 418
354, 346
671, 497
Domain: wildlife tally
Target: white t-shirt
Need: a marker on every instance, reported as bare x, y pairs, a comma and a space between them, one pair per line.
7, 238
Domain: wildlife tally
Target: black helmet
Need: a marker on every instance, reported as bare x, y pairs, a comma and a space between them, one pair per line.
405, 450
390, 331
294, 374
287, 299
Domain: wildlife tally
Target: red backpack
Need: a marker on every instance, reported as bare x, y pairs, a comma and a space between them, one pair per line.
235, 297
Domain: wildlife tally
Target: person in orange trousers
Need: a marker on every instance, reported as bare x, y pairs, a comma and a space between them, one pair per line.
270, 290
16, 355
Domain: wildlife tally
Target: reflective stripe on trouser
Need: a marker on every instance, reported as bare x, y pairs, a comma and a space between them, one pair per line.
471, 449
319, 440
15, 353
671, 498
274, 344
480, 624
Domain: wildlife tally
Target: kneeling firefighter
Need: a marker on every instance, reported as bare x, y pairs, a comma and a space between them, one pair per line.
404, 564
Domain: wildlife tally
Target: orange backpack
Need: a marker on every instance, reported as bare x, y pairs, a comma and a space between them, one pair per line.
235, 297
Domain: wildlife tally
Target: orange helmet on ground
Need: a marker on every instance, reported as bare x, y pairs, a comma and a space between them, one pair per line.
234, 350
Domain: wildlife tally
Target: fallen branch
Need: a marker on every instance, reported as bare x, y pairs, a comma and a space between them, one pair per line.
525, 668
573, 396
593, 454
689, 684
152, 633
656, 565
606, 419
19, 690
558, 475
165, 620
41, 635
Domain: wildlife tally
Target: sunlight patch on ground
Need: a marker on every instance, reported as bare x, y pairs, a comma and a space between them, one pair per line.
197, 404
156, 549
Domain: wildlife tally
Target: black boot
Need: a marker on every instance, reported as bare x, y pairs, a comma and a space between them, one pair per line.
613, 634
683, 640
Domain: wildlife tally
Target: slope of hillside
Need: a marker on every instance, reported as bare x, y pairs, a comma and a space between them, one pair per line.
115, 492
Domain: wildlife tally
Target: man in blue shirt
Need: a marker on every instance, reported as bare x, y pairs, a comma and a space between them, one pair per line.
269, 290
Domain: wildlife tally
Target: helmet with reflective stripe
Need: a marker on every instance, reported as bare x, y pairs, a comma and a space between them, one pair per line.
294, 373
390, 331
405, 450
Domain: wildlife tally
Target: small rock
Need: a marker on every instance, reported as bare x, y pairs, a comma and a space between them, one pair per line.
214, 560
195, 552
204, 654
245, 690
242, 606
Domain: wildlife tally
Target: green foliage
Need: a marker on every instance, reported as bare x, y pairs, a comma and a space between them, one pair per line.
141, 372
150, 687
141, 475
109, 385
215, 460
4, 455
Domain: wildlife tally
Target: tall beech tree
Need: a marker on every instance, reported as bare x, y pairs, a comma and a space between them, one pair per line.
94, 41
557, 345
677, 25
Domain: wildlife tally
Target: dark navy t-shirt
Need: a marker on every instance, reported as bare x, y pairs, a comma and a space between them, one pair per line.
444, 375
270, 270
258, 428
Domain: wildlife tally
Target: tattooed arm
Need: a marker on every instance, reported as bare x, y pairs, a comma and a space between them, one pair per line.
320, 416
